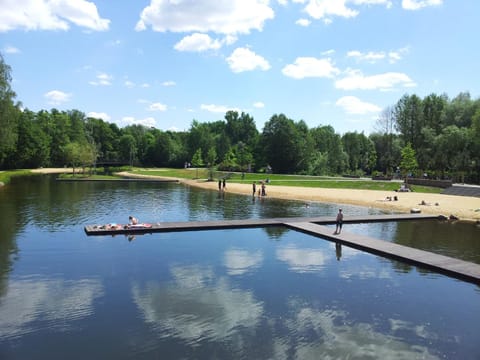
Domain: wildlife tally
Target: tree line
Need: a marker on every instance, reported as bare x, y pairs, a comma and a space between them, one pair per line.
434, 135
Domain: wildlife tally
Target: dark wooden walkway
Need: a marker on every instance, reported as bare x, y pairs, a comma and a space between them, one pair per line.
456, 268
452, 267
250, 223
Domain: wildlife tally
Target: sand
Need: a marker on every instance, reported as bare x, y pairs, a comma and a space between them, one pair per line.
463, 207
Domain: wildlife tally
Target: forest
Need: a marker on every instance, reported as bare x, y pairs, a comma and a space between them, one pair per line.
434, 135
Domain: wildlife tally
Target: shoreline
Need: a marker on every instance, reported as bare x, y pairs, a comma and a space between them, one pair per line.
464, 208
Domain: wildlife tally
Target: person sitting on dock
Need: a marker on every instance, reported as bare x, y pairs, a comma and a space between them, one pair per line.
132, 220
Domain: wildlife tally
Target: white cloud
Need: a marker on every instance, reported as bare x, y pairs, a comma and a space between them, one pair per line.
326, 9
130, 120
50, 15
353, 105
157, 107
99, 115
244, 59
355, 80
419, 4
319, 9
129, 84
169, 83
57, 97
225, 17
217, 108
11, 50
387, 3
371, 56
198, 42
259, 105
375, 56
303, 22
103, 79
310, 67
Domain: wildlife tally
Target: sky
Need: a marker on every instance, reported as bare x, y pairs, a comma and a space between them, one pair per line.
165, 63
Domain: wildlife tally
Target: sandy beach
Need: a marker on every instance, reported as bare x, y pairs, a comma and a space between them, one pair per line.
463, 207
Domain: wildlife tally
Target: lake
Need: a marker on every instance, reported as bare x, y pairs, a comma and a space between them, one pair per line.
268, 293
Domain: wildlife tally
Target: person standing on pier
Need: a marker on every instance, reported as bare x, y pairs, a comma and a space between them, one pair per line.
339, 222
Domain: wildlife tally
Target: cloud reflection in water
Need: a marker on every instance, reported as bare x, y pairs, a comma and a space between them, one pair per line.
57, 302
196, 306
239, 262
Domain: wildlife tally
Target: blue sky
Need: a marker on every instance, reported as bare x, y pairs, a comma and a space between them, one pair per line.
164, 63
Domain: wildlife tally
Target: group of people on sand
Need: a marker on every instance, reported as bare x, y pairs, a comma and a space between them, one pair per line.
262, 191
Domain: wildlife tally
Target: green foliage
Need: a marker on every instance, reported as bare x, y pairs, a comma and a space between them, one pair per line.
444, 133
197, 160
409, 164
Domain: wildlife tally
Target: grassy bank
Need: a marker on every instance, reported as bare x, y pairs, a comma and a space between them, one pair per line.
286, 180
6, 176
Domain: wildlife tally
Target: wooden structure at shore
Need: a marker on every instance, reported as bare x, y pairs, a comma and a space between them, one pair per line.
315, 226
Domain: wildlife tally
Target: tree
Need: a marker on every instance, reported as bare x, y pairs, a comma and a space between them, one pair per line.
331, 159
211, 159
128, 148
72, 155
32, 144
9, 113
408, 165
282, 144
408, 114
197, 160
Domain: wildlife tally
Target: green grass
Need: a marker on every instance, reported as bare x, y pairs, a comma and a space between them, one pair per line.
6, 176
88, 177
288, 180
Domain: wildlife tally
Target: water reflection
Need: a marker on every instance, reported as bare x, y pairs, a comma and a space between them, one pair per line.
339, 338
239, 262
32, 304
303, 260
458, 240
196, 306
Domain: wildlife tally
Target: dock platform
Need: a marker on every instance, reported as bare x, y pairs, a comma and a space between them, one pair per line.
315, 226
446, 265
250, 223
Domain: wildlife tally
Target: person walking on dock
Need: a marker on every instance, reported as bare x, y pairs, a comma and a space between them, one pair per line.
339, 222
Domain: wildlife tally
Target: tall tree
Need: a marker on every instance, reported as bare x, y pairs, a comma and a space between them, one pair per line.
409, 164
281, 142
9, 113
409, 121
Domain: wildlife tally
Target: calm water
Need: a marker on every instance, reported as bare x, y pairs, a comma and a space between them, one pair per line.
230, 294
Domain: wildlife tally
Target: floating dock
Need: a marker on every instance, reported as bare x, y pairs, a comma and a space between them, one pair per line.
249, 223
446, 265
452, 267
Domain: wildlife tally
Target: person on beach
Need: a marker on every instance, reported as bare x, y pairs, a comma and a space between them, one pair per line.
339, 222
224, 184
219, 185
132, 220
254, 188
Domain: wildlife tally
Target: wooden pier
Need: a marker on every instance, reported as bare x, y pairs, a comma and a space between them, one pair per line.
452, 267
249, 223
